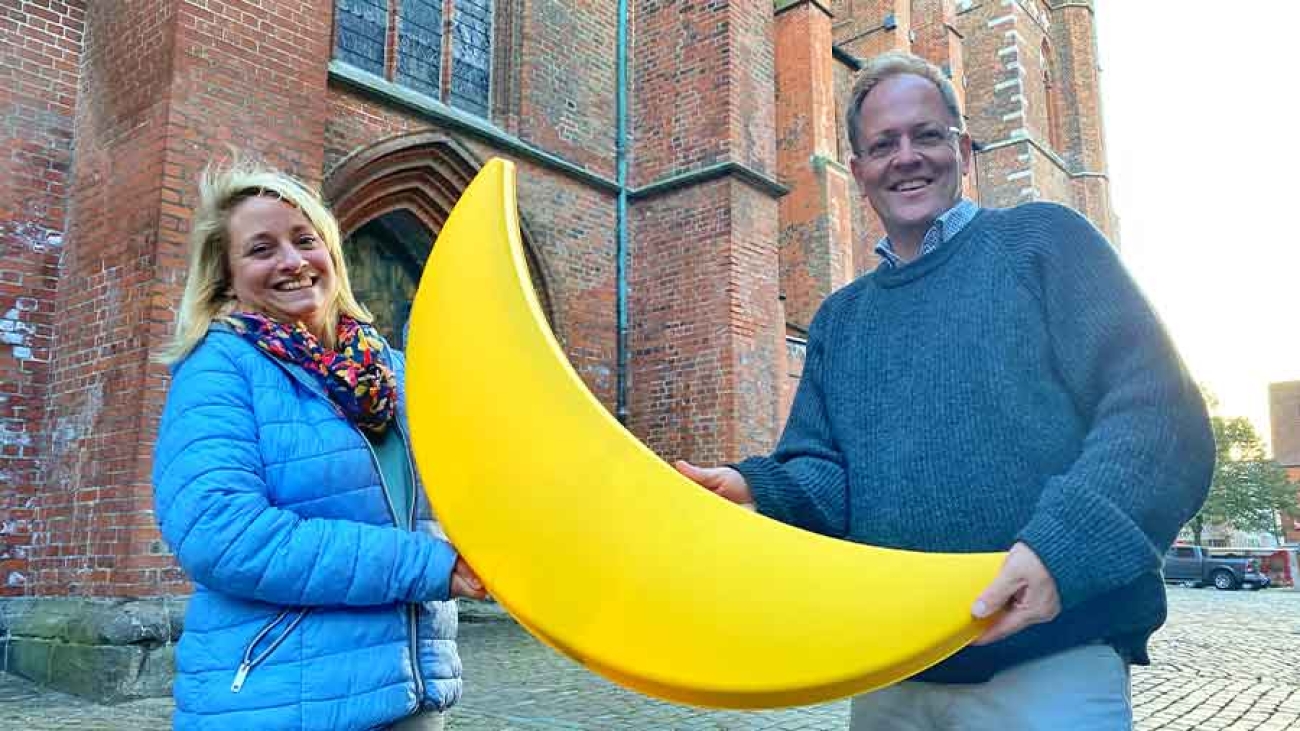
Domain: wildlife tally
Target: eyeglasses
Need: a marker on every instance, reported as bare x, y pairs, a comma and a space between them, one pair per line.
924, 139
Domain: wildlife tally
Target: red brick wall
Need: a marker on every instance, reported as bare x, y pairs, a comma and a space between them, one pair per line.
1006, 50
1034, 26
168, 87
1050, 181
936, 37
253, 78
858, 25
997, 40
1076, 42
354, 120
857, 29
755, 325
702, 87
816, 227
567, 85
706, 323
706, 334
997, 43
40, 58
866, 228
751, 66
94, 506
1072, 35
678, 277
682, 83
1284, 415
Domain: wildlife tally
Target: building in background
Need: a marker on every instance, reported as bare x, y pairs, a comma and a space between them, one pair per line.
684, 194
1284, 418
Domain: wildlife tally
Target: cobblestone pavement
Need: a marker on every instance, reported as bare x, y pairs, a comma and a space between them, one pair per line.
1226, 660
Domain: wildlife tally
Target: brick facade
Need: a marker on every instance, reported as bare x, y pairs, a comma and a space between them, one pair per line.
742, 215
1284, 418
41, 45
1034, 105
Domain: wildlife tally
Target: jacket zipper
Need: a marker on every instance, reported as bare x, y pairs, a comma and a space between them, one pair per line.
249, 661
412, 609
415, 500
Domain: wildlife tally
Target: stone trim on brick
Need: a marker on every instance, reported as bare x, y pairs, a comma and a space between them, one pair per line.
436, 111
846, 58
745, 174
1056, 159
783, 5
1075, 4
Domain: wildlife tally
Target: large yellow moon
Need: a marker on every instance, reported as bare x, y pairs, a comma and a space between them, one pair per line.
602, 550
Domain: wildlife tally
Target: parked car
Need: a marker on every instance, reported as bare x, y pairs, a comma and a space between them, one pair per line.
1195, 565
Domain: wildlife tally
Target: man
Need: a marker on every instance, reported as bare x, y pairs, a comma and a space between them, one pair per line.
998, 383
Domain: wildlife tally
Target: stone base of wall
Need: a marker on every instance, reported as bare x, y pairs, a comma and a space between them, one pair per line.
114, 650
106, 650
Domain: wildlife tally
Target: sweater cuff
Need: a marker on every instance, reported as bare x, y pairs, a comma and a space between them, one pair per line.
1088, 545
769, 486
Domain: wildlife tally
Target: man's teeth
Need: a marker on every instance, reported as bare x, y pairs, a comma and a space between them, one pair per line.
910, 185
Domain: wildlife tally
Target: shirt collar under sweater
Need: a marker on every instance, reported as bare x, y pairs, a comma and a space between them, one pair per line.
945, 227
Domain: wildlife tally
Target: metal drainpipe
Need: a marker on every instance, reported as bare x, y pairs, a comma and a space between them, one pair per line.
621, 219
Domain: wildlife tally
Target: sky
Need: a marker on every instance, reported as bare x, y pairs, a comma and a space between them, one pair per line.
1204, 160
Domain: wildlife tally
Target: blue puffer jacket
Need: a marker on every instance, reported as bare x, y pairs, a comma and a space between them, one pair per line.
309, 604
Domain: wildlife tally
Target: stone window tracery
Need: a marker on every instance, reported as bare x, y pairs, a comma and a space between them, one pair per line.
439, 48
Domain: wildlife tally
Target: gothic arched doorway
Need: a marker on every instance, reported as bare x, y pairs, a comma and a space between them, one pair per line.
385, 258
391, 200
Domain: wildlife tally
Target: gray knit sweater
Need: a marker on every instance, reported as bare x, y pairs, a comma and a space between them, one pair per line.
1013, 385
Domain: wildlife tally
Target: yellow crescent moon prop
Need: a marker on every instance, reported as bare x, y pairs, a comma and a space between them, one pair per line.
605, 552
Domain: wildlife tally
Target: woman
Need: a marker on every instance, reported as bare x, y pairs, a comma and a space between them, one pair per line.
284, 485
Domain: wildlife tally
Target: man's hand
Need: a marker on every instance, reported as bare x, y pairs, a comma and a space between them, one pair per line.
723, 481
466, 583
1023, 590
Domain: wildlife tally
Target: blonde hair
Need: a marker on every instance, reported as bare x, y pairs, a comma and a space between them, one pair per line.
896, 63
208, 296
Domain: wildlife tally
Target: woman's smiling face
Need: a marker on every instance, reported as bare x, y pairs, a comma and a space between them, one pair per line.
279, 265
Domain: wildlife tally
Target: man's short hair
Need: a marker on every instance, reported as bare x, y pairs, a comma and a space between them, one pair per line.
895, 63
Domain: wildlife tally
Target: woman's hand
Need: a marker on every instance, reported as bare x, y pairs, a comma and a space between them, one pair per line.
466, 583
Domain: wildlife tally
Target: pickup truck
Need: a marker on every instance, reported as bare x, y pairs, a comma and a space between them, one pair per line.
1194, 565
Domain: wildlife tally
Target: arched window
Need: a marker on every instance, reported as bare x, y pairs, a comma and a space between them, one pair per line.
440, 48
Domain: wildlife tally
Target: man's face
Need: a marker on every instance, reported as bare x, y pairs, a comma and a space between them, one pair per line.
909, 163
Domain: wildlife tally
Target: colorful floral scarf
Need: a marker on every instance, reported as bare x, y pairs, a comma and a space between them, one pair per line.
353, 375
